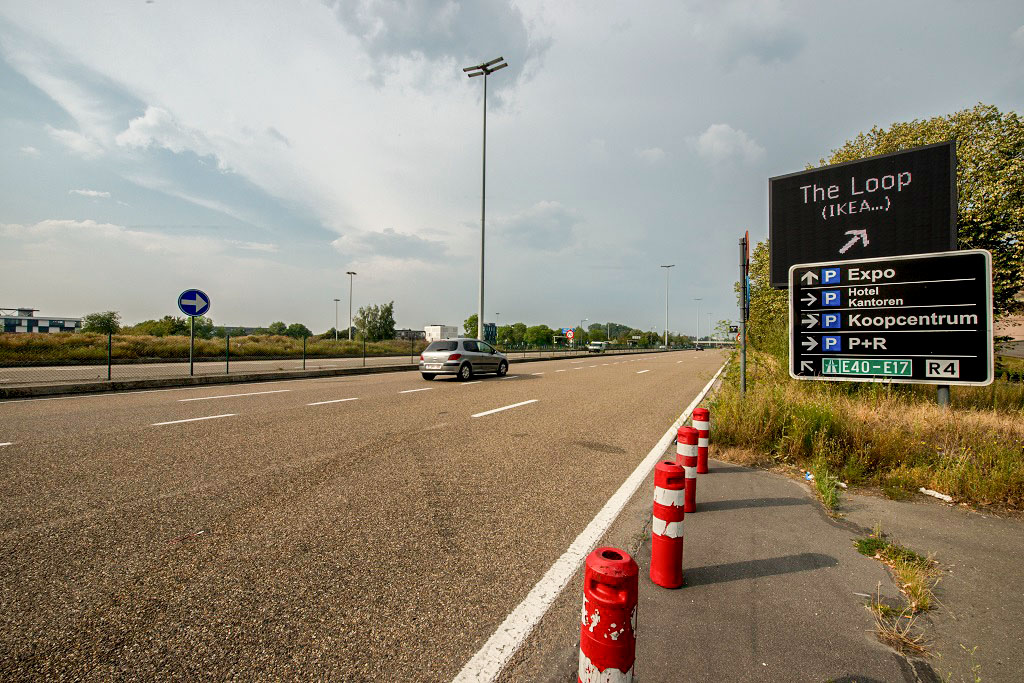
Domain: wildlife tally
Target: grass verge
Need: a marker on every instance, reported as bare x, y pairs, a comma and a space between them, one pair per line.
893, 437
897, 628
917, 576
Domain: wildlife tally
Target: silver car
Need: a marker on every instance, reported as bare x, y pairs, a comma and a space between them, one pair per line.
463, 358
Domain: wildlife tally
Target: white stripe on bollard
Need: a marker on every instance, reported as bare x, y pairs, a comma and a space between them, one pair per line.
669, 496
670, 529
701, 424
703, 441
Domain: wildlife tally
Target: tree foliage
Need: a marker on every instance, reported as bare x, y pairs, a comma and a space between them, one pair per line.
170, 326
107, 322
469, 325
989, 181
375, 323
298, 331
277, 327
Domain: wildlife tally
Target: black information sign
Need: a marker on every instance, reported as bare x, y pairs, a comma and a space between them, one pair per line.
922, 319
889, 205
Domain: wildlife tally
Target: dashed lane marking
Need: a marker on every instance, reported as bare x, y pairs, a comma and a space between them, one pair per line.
562, 370
337, 400
509, 377
498, 410
7, 443
192, 419
466, 384
536, 373
640, 372
412, 391
253, 393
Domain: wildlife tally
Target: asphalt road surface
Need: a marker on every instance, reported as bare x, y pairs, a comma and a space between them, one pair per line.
373, 527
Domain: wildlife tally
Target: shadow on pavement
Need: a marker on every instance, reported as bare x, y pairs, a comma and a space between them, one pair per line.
715, 505
751, 569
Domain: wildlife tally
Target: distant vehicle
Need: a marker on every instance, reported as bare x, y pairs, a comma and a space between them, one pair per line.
698, 348
463, 358
597, 346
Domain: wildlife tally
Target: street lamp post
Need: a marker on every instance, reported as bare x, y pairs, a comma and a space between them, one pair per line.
336, 319
485, 70
581, 325
350, 274
697, 341
666, 301
709, 327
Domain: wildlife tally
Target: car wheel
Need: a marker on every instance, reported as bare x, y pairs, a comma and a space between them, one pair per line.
466, 372
428, 376
502, 369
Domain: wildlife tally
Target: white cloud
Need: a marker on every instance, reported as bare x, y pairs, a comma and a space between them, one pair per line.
545, 225
157, 127
651, 155
82, 145
254, 246
91, 193
388, 244
29, 151
720, 143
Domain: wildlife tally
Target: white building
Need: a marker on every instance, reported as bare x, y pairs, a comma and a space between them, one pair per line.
26, 320
435, 332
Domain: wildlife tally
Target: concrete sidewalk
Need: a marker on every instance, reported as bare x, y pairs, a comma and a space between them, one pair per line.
776, 591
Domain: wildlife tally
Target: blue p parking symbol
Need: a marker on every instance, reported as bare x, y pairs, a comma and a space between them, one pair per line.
831, 343
830, 276
831, 321
830, 297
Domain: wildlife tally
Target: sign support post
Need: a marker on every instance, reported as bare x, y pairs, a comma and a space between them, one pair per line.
193, 302
191, 343
943, 395
743, 312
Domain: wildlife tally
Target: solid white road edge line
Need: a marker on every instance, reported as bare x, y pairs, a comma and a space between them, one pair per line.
498, 410
410, 391
466, 384
337, 400
252, 393
191, 419
7, 443
640, 372
488, 662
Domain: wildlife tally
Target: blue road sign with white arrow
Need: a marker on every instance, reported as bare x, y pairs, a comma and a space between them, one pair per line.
193, 302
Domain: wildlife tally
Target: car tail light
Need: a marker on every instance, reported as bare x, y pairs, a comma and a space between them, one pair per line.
455, 356
421, 356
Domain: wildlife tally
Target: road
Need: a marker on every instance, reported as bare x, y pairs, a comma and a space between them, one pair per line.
372, 527
49, 374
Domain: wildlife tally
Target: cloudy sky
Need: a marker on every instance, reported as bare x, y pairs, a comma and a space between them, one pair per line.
258, 150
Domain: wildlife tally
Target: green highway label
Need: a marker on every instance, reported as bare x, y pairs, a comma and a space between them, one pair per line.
887, 367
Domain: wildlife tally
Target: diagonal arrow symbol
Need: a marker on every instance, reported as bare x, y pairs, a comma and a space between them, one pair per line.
810, 299
806, 366
857, 235
809, 277
810, 320
809, 344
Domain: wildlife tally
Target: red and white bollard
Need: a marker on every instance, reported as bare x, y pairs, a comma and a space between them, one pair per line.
686, 456
667, 525
608, 630
702, 423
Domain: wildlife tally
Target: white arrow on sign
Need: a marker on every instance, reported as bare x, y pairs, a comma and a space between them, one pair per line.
809, 277
810, 320
810, 299
197, 303
857, 235
809, 344
806, 366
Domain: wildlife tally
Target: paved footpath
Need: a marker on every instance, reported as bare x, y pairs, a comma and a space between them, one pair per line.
775, 591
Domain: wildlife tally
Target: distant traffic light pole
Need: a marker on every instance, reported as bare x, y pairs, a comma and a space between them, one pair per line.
350, 274
485, 70
666, 301
336, 319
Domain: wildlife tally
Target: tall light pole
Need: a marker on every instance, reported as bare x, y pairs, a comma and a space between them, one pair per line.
666, 301
336, 319
697, 340
485, 70
350, 274
581, 326
709, 327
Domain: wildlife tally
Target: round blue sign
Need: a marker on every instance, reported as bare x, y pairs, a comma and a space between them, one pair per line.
193, 302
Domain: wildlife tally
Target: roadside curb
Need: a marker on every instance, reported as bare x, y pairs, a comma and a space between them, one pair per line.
205, 380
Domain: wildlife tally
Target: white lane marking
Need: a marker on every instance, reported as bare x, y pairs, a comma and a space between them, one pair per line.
488, 662
640, 372
562, 370
7, 443
509, 377
101, 394
192, 419
537, 373
591, 366
498, 410
252, 393
679, 361
466, 384
604, 363
577, 361
337, 400
579, 368
412, 391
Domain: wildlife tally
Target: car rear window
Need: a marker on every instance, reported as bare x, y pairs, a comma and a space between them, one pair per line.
443, 346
